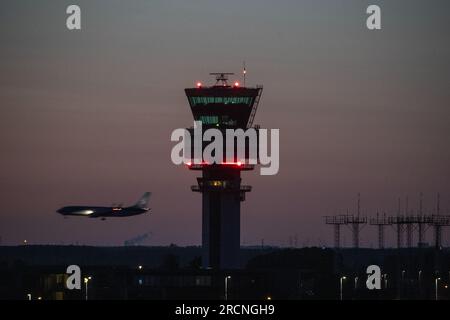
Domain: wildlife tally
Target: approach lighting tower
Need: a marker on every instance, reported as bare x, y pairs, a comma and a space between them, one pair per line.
381, 222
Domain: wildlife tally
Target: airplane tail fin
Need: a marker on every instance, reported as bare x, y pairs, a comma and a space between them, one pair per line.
143, 201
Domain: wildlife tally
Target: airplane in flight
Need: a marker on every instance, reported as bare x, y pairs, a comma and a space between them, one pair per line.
105, 212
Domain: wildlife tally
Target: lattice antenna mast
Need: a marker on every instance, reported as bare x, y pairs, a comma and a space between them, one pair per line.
438, 205
359, 203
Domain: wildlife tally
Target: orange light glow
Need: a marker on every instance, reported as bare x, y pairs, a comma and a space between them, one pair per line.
204, 163
239, 163
199, 84
236, 84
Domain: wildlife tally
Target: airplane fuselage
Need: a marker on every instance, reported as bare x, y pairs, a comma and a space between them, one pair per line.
102, 212
140, 207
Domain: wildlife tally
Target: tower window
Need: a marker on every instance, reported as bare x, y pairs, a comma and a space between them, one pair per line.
209, 119
201, 101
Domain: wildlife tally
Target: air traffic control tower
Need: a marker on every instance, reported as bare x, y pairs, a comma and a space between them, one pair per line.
222, 106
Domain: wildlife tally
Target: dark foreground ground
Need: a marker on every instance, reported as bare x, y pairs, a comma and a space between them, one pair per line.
174, 273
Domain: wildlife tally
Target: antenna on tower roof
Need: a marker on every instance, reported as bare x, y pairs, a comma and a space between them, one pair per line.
244, 72
221, 77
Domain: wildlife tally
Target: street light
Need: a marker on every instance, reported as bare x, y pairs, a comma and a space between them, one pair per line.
226, 286
86, 282
420, 282
341, 282
436, 286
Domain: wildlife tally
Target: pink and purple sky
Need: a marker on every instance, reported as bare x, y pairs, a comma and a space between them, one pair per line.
86, 116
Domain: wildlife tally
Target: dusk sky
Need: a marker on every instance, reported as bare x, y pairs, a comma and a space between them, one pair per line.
86, 116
